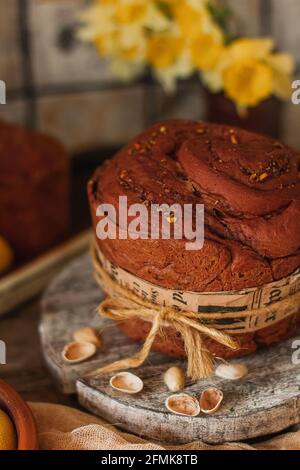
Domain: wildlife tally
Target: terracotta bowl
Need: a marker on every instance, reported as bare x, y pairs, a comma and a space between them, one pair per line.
21, 415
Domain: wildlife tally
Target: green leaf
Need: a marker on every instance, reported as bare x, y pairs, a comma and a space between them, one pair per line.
165, 8
220, 14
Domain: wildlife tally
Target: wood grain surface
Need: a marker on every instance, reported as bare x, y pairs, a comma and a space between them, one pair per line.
264, 402
25, 369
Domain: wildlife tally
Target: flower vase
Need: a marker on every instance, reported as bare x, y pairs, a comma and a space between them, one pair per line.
264, 118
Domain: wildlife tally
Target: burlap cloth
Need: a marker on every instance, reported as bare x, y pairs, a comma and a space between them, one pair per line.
64, 428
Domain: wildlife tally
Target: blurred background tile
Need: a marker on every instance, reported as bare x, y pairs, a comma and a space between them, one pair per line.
14, 111
286, 30
10, 51
58, 56
188, 103
61, 85
246, 16
290, 123
86, 120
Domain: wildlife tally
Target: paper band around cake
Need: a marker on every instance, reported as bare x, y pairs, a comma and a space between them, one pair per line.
234, 312
122, 304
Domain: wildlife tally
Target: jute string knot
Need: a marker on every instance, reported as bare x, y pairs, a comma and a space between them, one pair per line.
123, 304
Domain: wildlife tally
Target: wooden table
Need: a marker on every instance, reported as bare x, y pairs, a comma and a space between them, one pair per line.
25, 369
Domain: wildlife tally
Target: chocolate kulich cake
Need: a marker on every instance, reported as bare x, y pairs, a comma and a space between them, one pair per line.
34, 187
250, 187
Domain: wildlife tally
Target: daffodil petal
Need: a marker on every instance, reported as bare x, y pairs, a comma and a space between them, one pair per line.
248, 82
253, 48
282, 63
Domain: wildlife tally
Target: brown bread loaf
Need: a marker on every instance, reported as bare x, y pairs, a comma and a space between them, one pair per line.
250, 187
34, 190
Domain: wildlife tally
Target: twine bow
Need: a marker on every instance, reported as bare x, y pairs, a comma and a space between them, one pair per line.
123, 304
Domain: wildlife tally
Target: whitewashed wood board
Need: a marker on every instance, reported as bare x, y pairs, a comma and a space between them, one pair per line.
264, 402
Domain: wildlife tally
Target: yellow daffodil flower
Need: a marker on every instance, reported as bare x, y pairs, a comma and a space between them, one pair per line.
248, 82
155, 19
207, 49
107, 2
129, 11
191, 19
283, 67
168, 76
249, 72
103, 44
163, 50
177, 38
254, 48
98, 20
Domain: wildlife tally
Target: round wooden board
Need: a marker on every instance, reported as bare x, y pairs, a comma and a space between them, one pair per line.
264, 402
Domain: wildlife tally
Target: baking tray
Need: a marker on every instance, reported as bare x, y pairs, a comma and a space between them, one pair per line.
28, 281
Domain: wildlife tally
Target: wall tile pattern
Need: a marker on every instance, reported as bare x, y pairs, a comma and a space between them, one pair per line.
60, 86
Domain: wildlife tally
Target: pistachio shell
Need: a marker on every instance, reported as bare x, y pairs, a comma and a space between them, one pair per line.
183, 404
174, 379
231, 371
210, 400
88, 335
78, 352
126, 382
